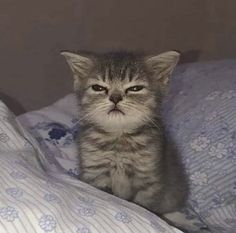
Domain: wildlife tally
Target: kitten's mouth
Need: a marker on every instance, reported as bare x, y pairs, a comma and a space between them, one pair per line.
116, 110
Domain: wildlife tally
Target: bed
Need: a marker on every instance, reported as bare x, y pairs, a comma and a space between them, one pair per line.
40, 190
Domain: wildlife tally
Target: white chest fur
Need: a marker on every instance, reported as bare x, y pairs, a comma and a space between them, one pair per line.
120, 181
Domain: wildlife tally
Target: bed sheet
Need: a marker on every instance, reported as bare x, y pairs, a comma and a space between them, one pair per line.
37, 198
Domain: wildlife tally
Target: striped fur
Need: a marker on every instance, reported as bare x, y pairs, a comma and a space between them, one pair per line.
125, 153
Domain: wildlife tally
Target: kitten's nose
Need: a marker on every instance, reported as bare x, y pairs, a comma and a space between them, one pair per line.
115, 98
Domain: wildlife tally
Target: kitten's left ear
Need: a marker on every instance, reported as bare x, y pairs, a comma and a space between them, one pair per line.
80, 65
162, 65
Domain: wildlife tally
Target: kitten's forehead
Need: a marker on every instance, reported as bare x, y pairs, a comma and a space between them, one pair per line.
119, 67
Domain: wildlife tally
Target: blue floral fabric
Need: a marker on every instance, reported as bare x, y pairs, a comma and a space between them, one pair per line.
36, 197
56, 128
200, 114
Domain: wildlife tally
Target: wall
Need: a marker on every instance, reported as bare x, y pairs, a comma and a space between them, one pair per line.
32, 33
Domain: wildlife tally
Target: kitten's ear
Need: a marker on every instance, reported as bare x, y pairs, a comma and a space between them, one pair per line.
80, 65
162, 65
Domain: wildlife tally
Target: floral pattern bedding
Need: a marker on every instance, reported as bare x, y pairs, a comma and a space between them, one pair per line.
200, 114
38, 198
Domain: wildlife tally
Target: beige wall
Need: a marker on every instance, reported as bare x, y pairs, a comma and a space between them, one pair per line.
32, 33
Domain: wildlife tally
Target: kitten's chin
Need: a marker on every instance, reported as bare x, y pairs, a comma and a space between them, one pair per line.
117, 122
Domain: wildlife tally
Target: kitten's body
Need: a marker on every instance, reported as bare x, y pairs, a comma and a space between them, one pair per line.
135, 166
122, 144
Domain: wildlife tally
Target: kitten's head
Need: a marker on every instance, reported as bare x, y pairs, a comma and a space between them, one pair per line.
120, 92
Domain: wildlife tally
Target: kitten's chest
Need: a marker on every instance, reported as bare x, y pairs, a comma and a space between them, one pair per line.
114, 152
126, 144
121, 161
121, 168
116, 160
125, 154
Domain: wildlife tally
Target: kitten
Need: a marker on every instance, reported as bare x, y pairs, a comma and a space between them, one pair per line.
122, 143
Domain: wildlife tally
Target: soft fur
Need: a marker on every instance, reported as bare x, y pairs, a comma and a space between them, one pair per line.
125, 151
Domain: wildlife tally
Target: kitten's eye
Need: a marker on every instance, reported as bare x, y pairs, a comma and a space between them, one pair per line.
135, 88
99, 88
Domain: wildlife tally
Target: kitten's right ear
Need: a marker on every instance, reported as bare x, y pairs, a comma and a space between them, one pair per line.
80, 65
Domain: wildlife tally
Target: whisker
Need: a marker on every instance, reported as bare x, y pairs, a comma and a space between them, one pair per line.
131, 107
92, 113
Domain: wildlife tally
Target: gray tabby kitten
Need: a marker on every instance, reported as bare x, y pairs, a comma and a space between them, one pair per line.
122, 143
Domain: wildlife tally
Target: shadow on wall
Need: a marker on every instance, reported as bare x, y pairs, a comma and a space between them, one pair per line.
12, 104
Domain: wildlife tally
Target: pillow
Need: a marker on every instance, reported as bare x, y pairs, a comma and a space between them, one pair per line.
199, 113
37, 199
55, 127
